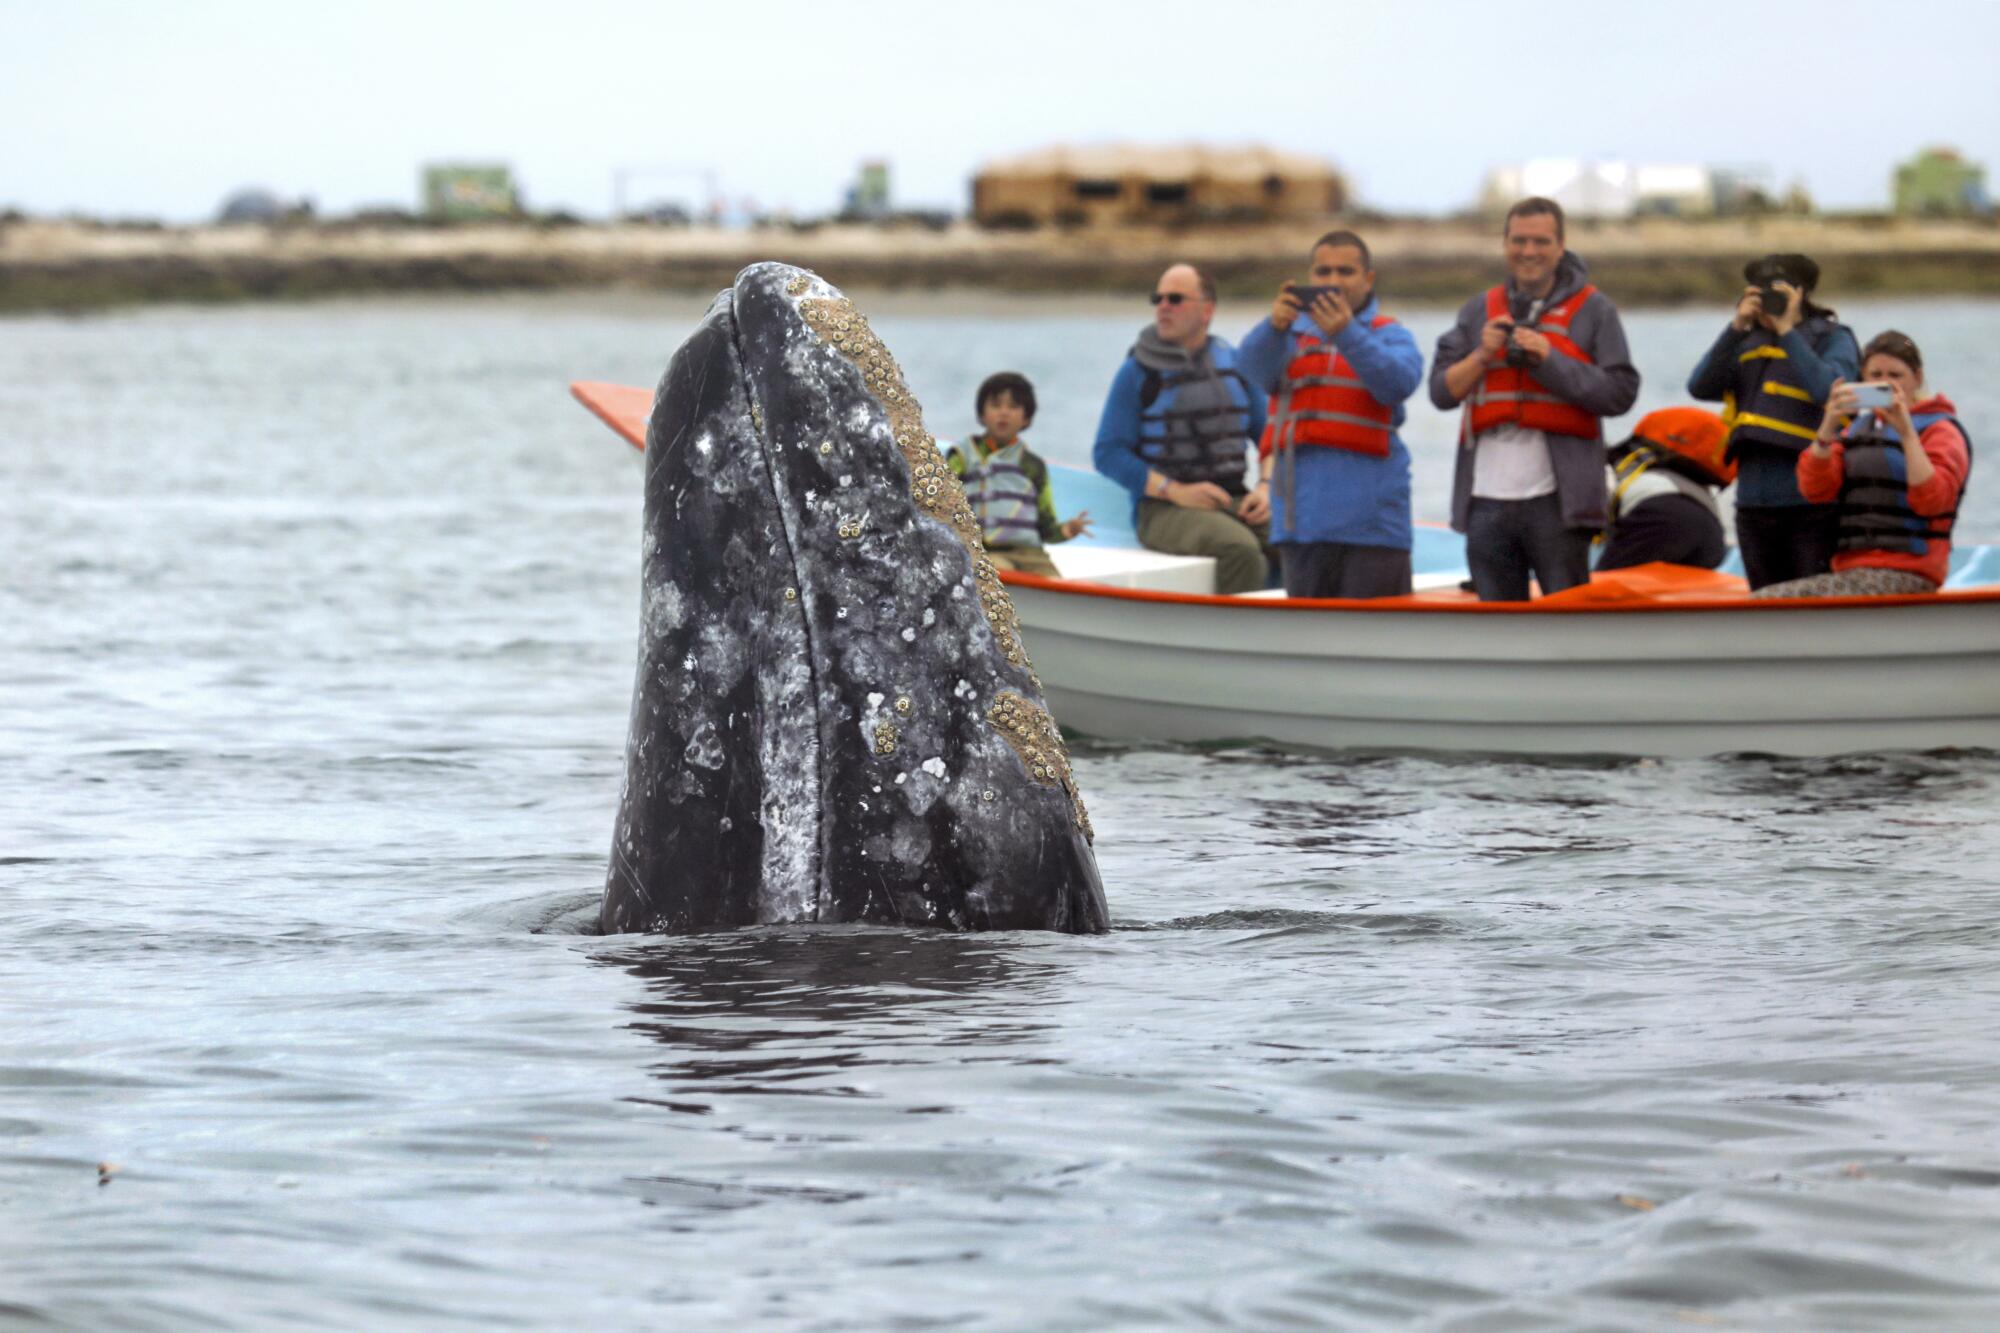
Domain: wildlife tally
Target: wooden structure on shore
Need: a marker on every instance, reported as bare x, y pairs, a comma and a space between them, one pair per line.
1125, 185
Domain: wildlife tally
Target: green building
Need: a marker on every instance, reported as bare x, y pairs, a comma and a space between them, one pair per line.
1938, 183
464, 190
868, 196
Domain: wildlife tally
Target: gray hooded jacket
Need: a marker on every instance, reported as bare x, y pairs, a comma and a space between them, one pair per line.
1606, 386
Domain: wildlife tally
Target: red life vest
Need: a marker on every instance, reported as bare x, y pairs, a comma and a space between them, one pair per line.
1511, 396
1324, 402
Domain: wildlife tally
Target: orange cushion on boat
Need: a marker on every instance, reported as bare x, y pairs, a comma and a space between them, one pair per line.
1656, 582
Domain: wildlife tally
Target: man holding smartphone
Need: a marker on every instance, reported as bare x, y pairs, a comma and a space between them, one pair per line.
1338, 476
1538, 362
1772, 369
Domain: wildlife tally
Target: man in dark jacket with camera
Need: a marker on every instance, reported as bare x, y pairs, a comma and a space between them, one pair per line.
1538, 363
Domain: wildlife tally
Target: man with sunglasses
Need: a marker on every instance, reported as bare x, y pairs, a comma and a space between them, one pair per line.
1176, 431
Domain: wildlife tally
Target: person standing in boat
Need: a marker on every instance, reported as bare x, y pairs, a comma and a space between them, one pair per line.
1007, 483
1772, 369
1338, 371
1894, 477
1537, 362
1176, 432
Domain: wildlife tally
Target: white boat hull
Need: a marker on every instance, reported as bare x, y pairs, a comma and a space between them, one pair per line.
1793, 679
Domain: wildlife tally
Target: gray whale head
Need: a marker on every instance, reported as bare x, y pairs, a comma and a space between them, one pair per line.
834, 718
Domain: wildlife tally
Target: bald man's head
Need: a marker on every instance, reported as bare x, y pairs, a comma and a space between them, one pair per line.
1183, 305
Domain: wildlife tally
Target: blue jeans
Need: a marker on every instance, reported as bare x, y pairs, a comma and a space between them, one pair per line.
1343, 569
1506, 540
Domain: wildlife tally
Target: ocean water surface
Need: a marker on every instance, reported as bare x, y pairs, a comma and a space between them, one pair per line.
321, 624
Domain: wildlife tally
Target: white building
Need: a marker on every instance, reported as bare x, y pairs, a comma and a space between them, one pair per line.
1588, 189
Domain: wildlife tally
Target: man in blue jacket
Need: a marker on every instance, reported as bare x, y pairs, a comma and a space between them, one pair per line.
1338, 371
1176, 429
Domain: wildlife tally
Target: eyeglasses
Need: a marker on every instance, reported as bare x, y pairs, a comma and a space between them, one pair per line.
1171, 298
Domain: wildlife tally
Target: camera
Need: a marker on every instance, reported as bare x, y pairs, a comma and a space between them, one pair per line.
1306, 293
1517, 356
1774, 301
1873, 396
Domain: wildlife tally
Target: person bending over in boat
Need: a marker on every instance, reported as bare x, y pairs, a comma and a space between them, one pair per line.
1176, 432
1338, 371
1771, 369
1895, 475
1007, 483
1663, 481
1537, 362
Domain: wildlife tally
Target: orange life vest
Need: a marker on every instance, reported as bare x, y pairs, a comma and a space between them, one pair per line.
1511, 396
1324, 402
1695, 437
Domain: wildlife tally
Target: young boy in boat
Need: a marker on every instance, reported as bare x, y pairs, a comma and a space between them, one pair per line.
1007, 483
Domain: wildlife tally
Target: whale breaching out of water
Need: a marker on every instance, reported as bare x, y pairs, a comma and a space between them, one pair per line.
834, 718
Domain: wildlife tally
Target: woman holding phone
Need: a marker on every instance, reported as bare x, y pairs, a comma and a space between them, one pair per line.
1893, 459
1772, 369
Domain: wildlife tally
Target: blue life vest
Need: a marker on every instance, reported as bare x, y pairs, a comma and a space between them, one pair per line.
1203, 440
1875, 513
1771, 404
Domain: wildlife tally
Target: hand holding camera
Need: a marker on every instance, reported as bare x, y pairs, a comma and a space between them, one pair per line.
1749, 308
1847, 401
1872, 397
1520, 348
1285, 310
1775, 299
1528, 349
1326, 304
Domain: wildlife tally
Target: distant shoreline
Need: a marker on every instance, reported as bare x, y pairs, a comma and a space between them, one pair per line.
74, 267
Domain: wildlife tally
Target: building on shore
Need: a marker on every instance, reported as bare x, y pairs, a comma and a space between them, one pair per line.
257, 204
467, 191
1127, 185
1618, 190
1938, 183
867, 198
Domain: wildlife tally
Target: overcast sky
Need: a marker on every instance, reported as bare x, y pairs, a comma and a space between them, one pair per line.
161, 109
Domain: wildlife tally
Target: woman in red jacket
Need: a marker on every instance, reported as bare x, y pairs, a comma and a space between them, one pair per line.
1897, 474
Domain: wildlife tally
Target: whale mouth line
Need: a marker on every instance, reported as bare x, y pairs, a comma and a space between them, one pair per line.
794, 604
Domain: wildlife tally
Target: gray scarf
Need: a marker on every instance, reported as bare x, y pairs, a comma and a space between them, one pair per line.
1202, 403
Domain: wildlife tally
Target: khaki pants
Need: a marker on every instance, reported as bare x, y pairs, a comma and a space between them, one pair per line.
1027, 559
1241, 550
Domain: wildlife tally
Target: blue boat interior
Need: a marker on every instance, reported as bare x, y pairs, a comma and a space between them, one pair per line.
1436, 550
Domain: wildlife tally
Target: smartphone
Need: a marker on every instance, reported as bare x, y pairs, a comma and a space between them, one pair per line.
1306, 293
1873, 397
